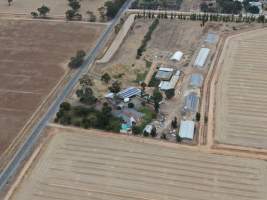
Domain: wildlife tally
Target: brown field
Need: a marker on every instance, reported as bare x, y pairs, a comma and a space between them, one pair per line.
33, 58
241, 106
93, 165
57, 8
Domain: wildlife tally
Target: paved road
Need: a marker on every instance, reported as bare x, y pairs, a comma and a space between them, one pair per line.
37, 130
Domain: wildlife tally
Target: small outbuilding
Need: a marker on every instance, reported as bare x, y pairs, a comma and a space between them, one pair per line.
196, 80
202, 57
177, 56
187, 130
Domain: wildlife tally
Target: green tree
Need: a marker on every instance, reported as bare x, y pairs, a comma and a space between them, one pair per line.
78, 60
174, 123
65, 106
86, 95
157, 97
115, 87
70, 14
75, 5
43, 11
91, 15
254, 9
153, 132
105, 78
34, 14
170, 93
178, 138
86, 81
9, 2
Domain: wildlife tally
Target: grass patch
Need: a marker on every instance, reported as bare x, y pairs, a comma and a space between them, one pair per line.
140, 77
149, 115
154, 82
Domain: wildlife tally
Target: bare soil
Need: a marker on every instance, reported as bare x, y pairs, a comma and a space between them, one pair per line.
33, 59
78, 164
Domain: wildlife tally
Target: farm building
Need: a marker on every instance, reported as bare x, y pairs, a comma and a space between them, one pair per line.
164, 74
177, 56
129, 93
168, 85
211, 38
187, 129
191, 102
202, 57
196, 80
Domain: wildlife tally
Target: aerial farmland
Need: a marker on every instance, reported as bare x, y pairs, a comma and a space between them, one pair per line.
81, 165
241, 91
33, 63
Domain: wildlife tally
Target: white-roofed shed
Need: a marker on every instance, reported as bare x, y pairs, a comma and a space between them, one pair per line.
202, 57
187, 129
168, 85
177, 56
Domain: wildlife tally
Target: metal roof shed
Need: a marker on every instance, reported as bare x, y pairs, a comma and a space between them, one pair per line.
164, 74
196, 80
202, 57
177, 56
187, 129
191, 102
168, 85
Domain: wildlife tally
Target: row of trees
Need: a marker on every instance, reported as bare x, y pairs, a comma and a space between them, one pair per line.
204, 17
147, 38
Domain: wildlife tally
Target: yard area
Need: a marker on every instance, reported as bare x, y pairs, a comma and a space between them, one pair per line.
77, 164
33, 60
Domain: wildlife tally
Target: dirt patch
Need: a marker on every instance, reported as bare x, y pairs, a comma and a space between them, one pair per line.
91, 164
33, 58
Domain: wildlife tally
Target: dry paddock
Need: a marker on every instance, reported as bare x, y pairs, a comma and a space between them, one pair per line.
91, 165
241, 106
57, 7
33, 58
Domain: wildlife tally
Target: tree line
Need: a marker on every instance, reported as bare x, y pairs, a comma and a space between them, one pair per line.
204, 17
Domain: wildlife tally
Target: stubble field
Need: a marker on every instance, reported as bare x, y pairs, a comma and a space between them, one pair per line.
241, 106
57, 8
92, 165
33, 59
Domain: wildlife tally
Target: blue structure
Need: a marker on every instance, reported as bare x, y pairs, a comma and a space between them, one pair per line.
196, 80
191, 103
129, 92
